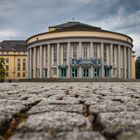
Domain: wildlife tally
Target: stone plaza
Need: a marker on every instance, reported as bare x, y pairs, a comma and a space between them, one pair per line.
70, 111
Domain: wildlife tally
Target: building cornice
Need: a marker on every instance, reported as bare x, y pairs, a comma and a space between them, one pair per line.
101, 31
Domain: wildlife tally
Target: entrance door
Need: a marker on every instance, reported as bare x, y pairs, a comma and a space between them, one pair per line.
85, 72
74, 72
96, 72
45, 73
63, 72
107, 71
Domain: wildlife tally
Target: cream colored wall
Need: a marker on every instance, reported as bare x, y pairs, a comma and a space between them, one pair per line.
133, 67
51, 35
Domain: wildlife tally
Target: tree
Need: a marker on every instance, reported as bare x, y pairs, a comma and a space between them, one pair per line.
138, 68
2, 69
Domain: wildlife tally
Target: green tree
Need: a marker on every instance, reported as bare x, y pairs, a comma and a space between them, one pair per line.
138, 67
2, 69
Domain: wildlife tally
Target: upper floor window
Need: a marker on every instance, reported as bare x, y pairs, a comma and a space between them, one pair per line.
105, 54
24, 64
46, 55
113, 55
18, 74
95, 51
55, 54
64, 53
85, 47
18, 64
24, 74
74, 46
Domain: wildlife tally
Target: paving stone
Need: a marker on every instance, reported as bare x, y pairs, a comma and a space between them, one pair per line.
65, 111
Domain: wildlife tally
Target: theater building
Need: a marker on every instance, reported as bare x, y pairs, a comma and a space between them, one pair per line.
77, 50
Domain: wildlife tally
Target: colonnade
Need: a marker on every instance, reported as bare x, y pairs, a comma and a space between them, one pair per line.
122, 65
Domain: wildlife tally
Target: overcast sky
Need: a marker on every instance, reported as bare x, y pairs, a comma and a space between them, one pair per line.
19, 19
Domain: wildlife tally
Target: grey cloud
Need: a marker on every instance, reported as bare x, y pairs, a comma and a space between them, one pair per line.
28, 17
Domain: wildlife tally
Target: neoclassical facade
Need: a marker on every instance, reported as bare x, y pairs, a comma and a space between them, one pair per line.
77, 50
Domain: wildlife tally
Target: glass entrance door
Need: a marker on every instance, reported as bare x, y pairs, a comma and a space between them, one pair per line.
96, 72
63, 72
107, 72
74, 72
45, 73
85, 72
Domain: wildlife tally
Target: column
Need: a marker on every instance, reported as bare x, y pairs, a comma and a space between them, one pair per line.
34, 63
91, 56
118, 65
80, 56
30, 63
111, 60
68, 59
125, 73
49, 61
102, 58
41, 62
129, 64
44, 60
58, 57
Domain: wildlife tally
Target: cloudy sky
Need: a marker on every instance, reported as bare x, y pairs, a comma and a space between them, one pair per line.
19, 19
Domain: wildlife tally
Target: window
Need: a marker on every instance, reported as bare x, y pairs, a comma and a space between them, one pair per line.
18, 74
85, 51
7, 60
64, 53
18, 64
18, 53
85, 47
105, 54
24, 74
7, 67
55, 54
63, 72
7, 74
74, 50
24, 64
46, 55
113, 55
95, 51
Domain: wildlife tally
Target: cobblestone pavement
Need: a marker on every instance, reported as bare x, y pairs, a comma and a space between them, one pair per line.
70, 111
